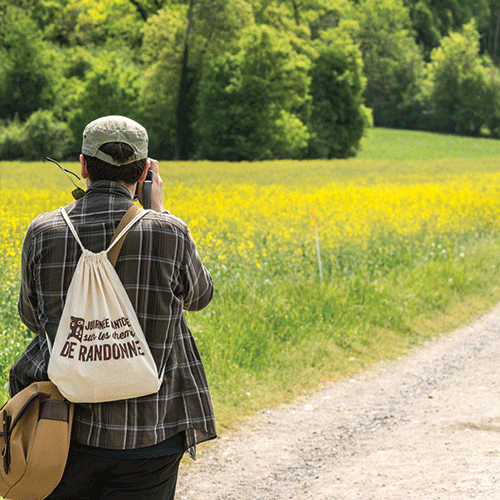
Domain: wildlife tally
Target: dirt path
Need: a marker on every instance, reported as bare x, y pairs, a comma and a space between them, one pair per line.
426, 426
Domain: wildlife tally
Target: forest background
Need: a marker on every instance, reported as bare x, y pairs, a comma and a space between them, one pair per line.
245, 79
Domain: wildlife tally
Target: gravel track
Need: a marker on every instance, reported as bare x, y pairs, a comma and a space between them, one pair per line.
426, 426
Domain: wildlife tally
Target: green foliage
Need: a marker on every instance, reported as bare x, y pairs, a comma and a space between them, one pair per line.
114, 23
280, 17
457, 88
490, 30
493, 97
151, 59
427, 28
322, 15
338, 116
218, 23
40, 136
24, 72
111, 87
433, 20
291, 136
14, 338
393, 64
214, 27
162, 52
11, 140
71, 67
249, 102
45, 136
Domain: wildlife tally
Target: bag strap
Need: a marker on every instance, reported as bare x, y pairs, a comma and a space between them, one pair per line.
71, 227
50, 409
8, 425
134, 213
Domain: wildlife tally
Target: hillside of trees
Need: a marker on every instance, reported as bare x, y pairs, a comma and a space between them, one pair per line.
245, 79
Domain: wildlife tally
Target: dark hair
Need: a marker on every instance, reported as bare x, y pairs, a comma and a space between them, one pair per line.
100, 170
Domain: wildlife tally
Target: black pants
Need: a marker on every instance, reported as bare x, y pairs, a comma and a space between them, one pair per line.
91, 477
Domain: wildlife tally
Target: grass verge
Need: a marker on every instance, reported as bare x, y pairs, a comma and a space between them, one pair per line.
266, 345
394, 144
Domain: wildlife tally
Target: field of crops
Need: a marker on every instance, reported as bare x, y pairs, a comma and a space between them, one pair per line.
404, 245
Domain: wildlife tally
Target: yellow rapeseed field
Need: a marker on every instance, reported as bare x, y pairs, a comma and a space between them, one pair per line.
261, 225
396, 241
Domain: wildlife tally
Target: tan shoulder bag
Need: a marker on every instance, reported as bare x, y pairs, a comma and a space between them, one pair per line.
34, 439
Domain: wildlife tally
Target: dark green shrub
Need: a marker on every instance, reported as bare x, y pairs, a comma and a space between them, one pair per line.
339, 118
458, 86
44, 135
11, 139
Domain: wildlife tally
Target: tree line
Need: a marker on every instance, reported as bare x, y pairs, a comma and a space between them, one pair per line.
245, 79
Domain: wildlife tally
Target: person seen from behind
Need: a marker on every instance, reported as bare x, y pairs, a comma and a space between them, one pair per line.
125, 449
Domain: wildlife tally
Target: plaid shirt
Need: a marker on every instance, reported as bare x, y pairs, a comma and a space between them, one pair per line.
162, 273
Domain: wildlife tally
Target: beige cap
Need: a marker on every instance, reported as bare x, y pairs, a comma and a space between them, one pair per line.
115, 129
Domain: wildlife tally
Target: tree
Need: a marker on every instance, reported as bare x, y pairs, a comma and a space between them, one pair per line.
40, 136
491, 32
114, 23
11, 140
281, 17
457, 87
110, 87
182, 121
43, 135
162, 53
433, 20
493, 98
316, 15
320, 15
338, 118
25, 81
392, 61
426, 26
179, 43
249, 101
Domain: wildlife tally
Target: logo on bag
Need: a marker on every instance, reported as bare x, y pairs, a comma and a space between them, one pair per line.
76, 328
101, 340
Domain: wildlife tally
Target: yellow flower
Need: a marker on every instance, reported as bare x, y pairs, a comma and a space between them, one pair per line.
250, 224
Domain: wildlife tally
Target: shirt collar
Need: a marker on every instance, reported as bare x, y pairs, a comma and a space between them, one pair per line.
109, 188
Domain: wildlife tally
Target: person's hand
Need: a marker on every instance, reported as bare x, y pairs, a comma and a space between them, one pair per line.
157, 187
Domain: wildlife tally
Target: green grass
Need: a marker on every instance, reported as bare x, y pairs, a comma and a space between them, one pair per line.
13, 338
392, 144
265, 343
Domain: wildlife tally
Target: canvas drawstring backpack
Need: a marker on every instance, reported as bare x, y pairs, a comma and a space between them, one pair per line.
100, 352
